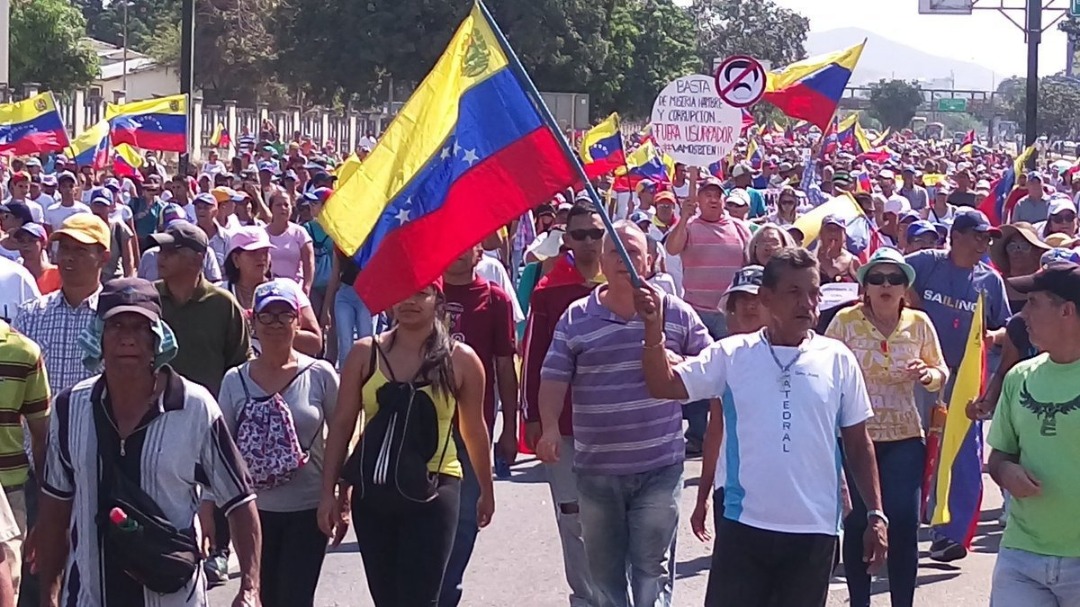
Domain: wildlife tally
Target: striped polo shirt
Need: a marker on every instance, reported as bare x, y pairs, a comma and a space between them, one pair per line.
618, 427
183, 446
24, 393
714, 251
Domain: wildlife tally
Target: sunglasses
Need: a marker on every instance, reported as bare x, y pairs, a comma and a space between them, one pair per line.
879, 279
1063, 217
593, 233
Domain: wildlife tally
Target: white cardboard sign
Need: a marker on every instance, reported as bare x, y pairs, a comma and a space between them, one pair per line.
692, 124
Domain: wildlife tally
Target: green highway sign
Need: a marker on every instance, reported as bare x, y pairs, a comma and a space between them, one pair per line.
959, 105
1074, 8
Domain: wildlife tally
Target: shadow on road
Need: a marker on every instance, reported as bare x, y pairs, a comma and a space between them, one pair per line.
693, 567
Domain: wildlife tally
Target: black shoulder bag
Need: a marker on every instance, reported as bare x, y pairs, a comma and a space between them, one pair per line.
154, 553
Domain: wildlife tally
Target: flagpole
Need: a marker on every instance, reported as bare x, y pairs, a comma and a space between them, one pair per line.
530, 89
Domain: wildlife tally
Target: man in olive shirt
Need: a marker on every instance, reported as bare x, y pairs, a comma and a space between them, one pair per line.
210, 328
212, 337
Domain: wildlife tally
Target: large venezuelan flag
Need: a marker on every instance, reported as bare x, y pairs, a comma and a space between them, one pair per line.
469, 152
91, 147
32, 126
958, 491
602, 148
811, 89
155, 124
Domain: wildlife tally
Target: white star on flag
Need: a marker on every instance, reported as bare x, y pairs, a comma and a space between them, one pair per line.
444, 154
470, 157
402, 216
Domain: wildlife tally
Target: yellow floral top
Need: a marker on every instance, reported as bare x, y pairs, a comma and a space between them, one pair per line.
884, 360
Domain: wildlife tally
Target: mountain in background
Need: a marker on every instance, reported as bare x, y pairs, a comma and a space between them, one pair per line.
885, 58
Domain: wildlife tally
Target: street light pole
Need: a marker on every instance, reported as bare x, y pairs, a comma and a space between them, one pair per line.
5, 44
124, 77
187, 68
1034, 36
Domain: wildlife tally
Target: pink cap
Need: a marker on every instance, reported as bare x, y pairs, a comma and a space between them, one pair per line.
250, 238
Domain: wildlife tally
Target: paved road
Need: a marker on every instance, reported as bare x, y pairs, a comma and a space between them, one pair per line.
518, 560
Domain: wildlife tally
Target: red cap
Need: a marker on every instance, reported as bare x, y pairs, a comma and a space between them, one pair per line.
20, 176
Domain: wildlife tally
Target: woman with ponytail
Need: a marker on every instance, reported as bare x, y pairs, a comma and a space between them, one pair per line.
406, 518
896, 347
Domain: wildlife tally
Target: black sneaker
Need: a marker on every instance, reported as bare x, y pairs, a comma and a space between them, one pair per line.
946, 551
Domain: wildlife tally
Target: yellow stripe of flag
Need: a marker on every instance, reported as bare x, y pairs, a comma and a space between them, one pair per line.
413, 138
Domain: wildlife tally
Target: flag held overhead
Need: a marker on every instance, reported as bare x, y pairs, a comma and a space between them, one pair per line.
155, 124
468, 153
32, 126
602, 148
811, 89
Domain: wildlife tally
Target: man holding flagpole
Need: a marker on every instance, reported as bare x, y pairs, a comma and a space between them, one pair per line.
947, 287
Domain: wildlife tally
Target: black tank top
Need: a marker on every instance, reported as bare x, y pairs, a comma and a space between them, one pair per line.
349, 269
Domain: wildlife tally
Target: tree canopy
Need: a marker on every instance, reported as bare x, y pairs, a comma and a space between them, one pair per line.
47, 47
1058, 100
894, 102
620, 52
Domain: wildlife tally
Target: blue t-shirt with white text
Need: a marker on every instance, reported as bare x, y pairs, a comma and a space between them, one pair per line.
949, 294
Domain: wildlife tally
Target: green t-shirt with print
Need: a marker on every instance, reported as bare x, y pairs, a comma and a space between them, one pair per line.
1038, 419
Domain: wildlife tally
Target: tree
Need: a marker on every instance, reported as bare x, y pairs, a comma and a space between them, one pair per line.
894, 102
759, 28
47, 46
652, 44
1058, 100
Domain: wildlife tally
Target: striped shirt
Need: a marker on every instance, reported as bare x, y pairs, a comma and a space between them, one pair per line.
618, 427
55, 326
24, 393
183, 447
714, 251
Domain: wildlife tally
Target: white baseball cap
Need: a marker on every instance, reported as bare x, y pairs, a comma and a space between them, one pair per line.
897, 205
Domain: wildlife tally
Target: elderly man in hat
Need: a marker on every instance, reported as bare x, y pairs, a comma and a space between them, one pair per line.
134, 439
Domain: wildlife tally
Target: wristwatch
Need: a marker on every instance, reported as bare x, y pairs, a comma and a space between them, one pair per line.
878, 514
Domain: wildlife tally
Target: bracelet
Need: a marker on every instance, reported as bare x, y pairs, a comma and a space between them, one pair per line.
659, 345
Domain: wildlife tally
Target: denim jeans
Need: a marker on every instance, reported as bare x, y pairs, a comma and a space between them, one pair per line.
1034, 580
564, 496
629, 524
900, 469
465, 536
352, 320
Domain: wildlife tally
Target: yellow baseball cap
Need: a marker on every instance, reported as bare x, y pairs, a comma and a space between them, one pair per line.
223, 194
86, 228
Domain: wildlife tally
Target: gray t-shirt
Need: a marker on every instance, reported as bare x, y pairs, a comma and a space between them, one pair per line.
311, 398
917, 196
1031, 210
121, 234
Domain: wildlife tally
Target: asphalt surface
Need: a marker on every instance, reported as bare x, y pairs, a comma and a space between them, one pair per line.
518, 561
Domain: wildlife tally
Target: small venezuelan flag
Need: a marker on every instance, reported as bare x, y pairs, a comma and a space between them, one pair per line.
156, 124
126, 161
221, 138
469, 152
811, 89
32, 126
602, 148
646, 162
91, 147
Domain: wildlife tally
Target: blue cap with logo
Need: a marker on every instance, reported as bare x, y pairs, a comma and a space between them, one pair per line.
275, 291
973, 220
747, 280
1057, 254
918, 228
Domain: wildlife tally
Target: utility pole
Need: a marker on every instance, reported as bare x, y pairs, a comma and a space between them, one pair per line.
187, 68
1034, 36
125, 66
5, 44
